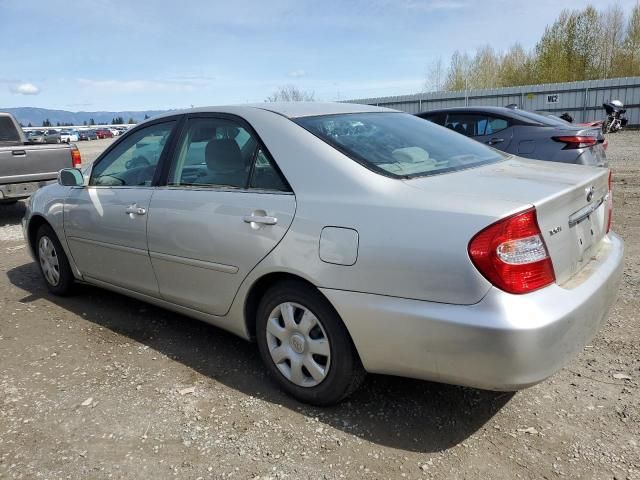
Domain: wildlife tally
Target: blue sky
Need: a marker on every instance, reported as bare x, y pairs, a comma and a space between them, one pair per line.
143, 54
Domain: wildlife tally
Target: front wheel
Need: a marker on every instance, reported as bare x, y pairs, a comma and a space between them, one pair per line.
305, 346
53, 262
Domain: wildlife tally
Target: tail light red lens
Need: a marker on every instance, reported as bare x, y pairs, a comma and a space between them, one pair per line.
609, 205
576, 141
512, 255
76, 160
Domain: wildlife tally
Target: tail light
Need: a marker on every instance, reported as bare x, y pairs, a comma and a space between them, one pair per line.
609, 205
512, 255
576, 141
76, 160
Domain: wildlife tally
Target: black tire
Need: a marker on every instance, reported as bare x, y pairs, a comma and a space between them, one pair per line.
8, 202
345, 372
66, 281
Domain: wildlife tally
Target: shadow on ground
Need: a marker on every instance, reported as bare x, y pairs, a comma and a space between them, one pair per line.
11, 213
395, 412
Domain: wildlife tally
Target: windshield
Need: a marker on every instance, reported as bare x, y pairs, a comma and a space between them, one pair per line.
398, 144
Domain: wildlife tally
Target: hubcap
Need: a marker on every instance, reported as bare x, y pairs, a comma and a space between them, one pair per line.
49, 260
298, 344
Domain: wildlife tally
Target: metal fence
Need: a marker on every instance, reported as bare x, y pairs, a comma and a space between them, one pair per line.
582, 100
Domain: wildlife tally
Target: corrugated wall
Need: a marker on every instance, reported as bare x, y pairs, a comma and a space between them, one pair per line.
583, 100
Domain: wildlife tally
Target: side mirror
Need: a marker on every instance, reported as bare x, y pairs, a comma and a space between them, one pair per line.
70, 177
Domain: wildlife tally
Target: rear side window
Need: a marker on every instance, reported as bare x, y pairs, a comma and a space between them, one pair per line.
398, 144
217, 152
8, 132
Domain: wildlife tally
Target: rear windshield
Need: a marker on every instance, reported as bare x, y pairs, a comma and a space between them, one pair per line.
543, 118
398, 144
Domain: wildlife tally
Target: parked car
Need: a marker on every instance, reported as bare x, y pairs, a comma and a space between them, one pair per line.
36, 136
104, 133
52, 136
114, 131
87, 135
69, 135
343, 239
526, 134
25, 166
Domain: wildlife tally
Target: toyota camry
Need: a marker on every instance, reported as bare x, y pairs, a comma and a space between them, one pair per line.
342, 239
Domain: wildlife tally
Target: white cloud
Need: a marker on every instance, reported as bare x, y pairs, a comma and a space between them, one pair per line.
297, 73
24, 89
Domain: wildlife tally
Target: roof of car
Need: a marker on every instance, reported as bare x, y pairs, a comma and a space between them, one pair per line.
498, 110
286, 109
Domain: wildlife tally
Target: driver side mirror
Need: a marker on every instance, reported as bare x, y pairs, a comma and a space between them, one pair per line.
70, 177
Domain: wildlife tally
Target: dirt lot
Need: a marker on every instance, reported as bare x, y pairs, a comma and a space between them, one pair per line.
89, 150
92, 387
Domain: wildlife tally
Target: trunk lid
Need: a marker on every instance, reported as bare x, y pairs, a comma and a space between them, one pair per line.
570, 201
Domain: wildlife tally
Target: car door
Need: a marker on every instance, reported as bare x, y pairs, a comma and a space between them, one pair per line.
225, 206
105, 222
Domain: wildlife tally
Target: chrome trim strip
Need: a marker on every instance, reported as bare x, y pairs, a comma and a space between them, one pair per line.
585, 212
113, 246
220, 267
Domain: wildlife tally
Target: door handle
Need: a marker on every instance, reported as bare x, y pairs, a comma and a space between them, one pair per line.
135, 210
493, 141
19, 153
262, 219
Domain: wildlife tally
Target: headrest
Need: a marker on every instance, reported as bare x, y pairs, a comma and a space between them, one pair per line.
223, 154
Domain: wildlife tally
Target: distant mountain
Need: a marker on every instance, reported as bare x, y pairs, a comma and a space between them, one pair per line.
36, 116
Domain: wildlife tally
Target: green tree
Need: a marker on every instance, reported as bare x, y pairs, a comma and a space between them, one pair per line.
632, 44
515, 67
92, 121
29, 125
458, 73
131, 121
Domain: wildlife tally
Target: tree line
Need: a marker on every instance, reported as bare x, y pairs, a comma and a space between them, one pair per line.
580, 45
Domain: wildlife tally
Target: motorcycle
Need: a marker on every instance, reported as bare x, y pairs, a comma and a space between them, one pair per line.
615, 120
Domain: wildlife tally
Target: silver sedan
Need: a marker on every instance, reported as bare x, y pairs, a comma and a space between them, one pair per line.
343, 239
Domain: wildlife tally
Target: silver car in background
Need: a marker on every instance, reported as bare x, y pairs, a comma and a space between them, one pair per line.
344, 239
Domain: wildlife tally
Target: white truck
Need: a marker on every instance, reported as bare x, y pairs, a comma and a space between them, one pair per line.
26, 166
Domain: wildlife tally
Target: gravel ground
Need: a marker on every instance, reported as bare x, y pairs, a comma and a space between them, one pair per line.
89, 150
101, 386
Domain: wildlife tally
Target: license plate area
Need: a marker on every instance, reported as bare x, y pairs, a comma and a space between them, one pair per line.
19, 189
584, 235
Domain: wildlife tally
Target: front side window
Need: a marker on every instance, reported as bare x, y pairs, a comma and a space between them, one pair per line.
216, 152
133, 162
398, 144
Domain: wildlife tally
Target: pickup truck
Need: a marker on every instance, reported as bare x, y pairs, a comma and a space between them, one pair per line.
24, 166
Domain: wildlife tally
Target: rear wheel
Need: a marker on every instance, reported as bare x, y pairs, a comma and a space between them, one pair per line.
53, 262
305, 345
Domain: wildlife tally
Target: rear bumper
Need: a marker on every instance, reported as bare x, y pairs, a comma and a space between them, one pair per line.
16, 191
504, 342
